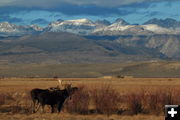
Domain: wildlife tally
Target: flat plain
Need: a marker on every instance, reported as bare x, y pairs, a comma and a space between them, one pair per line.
20, 87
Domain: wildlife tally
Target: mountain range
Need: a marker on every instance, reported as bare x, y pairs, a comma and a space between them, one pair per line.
85, 41
99, 27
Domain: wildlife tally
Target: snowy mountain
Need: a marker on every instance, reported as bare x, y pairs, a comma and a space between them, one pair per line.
97, 41
119, 29
36, 27
121, 21
103, 22
104, 27
88, 27
79, 26
7, 29
157, 29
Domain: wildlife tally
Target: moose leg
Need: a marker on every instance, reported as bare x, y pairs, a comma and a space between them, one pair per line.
37, 108
34, 106
42, 108
59, 107
52, 108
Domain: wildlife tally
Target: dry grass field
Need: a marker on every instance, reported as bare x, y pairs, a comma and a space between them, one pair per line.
135, 98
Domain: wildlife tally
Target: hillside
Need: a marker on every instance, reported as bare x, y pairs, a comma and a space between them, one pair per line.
67, 48
141, 69
62, 47
153, 69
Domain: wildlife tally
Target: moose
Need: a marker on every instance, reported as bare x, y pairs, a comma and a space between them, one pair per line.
53, 97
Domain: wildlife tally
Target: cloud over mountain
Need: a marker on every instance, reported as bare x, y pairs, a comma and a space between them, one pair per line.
9, 19
134, 11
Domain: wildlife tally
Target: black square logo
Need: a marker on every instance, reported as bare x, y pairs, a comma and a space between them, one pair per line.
172, 112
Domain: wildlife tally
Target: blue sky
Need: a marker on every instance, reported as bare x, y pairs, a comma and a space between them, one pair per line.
44, 11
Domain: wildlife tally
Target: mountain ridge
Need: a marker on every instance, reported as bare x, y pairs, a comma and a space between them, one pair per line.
85, 41
100, 27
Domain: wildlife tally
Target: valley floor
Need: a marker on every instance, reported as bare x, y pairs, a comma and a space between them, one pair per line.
14, 95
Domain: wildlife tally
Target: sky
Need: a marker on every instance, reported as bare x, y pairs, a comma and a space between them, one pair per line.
42, 12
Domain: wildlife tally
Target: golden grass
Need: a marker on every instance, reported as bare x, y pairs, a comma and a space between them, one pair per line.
64, 116
123, 86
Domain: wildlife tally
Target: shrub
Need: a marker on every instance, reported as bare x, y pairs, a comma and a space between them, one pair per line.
2, 99
154, 102
18, 102
157, 99
166, 98
106, 99
134, 103
79, 101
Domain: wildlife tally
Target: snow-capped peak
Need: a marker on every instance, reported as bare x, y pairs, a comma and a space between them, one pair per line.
7, 27
117, 26
71, 22
79, 22
79, 26
120, 21
36, 27
5, 24
157, 29
84, 20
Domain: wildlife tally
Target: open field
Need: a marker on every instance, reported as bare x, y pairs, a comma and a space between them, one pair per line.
19, 88
121, 84
77, 117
